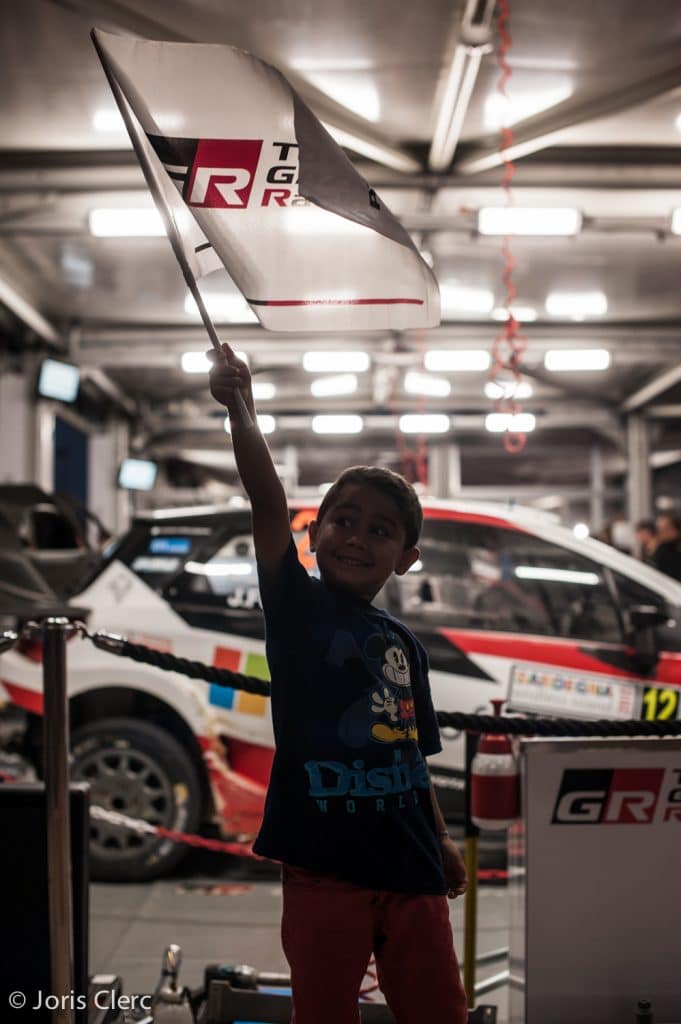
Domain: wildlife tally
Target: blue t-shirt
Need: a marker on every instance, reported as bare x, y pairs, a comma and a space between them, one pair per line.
353, 720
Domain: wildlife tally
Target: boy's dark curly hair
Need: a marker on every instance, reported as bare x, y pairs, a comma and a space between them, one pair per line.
389, 483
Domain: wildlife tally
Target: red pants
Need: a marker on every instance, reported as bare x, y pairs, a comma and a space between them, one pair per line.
329, 931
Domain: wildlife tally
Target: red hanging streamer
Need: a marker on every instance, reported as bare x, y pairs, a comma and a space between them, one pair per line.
509, 346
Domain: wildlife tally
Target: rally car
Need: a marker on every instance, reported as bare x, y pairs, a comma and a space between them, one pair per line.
507, 603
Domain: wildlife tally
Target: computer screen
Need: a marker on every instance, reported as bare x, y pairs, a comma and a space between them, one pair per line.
58, 380
137, 474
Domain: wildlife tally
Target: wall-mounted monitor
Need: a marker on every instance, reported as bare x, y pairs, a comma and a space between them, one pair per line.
58, 380
137, 474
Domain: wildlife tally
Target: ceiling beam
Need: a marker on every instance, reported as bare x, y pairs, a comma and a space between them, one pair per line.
336, 118
109, 387
29, 315
548, 129
138, 345
110, 170
665, 412
662, 382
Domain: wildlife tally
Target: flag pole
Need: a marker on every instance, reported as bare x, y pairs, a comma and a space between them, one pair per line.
168, 219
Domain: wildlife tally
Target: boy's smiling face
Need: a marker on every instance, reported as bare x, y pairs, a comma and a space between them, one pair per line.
360, 541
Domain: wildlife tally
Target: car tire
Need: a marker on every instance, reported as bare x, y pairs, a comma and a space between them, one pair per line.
140, 770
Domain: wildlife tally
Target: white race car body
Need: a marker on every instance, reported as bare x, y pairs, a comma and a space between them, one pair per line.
508, 605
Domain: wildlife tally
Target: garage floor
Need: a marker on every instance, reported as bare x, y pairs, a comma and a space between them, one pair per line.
224, 911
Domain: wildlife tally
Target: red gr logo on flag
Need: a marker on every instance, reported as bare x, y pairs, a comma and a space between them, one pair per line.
222, 174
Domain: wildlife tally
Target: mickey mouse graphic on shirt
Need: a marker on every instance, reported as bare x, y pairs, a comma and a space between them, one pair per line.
386, 713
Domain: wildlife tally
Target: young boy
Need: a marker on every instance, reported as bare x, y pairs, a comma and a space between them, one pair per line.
350, 810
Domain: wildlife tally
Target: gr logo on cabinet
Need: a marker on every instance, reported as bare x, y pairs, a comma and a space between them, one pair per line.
594, 892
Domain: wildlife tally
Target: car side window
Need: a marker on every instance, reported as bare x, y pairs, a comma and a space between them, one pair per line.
228, 578
482, 576
632, 593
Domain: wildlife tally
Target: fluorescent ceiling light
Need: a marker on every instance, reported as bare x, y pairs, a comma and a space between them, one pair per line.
341, 384
453, 104
566, 359
219, 568
107, 122
501, 110
536, 572
456, 298
676, 218
313, 220
142, 222
457, 360
337, 424
306, 64
267, 423
500, 422
356, 92
428, 423
424, 384
581, 531
518, 220
195, 362
523, 314
335, 362
224, 306
394, 158
576, 304
498, 389
263, 390
198, 361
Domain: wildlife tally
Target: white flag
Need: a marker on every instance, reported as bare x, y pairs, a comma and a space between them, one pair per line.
258, 182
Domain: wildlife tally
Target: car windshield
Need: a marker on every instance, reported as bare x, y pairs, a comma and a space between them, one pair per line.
156, 552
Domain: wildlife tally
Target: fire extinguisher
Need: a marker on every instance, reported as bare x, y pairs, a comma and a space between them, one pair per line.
495, 790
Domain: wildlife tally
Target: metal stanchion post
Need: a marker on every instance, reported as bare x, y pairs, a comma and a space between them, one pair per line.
56, 770
471, 899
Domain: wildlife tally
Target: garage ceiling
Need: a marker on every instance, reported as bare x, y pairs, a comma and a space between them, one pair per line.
595, 105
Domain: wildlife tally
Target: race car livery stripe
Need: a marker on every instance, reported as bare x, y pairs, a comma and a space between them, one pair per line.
569, 654
563, 653
27, 699
334, 302
471, 517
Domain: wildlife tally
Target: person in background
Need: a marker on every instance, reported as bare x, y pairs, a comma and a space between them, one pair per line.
351, 813
667, 556
617, 532
646, 540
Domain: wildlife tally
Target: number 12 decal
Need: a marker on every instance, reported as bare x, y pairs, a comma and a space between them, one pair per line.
660, 704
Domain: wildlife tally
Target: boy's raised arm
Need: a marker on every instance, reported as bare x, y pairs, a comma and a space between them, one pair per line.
271, 524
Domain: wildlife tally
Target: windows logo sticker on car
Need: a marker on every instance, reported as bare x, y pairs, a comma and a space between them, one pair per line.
249, 663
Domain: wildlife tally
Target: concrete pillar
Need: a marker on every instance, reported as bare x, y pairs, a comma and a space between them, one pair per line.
444, 470
639, 483
15, 435
288, 469
41, 425
596, 489
105, 454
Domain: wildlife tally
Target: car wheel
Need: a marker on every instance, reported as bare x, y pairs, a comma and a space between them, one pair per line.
140, 770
